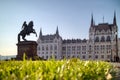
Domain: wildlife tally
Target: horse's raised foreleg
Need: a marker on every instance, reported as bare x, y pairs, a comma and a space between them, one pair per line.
35, 32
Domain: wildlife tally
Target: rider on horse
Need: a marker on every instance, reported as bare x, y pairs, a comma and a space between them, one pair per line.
26, 30
25, 27
30, 27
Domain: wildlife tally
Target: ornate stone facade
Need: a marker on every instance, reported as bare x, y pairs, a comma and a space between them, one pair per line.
101, 45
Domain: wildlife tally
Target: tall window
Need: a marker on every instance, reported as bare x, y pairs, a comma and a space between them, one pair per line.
55, 47
64, 48
55, 52
97, 47
102, 47
102, 39
90, 47
102, 56
73, 48
97, 39
108, 56
42, 47
47, 47
68, 48
83, 47
51, 47
96, 56
83, 56
55, 57
78, 48
108, 38
108, 47
46, 57
83, 52
90, 56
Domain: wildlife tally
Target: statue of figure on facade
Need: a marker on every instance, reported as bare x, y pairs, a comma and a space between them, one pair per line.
26, 30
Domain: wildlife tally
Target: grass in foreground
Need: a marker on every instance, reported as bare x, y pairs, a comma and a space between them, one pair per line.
73, 69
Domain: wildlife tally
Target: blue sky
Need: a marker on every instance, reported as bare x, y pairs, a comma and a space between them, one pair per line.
71, 16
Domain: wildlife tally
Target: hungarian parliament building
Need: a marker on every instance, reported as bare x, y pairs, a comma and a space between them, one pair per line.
102, 44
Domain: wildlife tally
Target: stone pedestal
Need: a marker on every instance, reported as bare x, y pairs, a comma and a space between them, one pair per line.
29, 48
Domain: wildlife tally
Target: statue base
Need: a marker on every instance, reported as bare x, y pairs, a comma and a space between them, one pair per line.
29, 48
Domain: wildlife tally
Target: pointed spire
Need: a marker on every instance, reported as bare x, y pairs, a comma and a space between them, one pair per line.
103, 19
114, 19
57, 32
92, 22
40, 35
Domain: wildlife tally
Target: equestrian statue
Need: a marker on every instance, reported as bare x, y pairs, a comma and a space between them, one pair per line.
26, 30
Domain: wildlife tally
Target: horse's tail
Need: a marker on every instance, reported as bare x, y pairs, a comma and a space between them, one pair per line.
19, 37
36, 34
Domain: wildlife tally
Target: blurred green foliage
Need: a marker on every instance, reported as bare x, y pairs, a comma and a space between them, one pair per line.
73, 69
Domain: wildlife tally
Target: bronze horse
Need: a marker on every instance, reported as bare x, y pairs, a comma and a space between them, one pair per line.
26, 30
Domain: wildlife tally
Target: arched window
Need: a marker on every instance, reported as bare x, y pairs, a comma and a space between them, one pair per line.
108, 38
102, 39
97, 39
